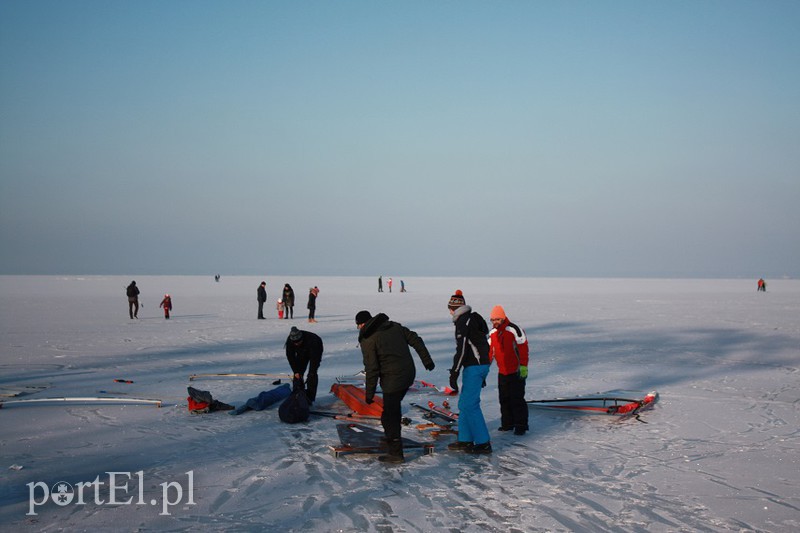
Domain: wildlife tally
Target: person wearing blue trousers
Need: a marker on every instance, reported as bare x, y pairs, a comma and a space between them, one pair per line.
472, 355
472, 430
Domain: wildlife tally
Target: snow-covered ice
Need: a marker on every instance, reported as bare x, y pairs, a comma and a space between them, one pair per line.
719, 452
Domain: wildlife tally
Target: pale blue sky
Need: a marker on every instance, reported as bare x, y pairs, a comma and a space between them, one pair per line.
525, 138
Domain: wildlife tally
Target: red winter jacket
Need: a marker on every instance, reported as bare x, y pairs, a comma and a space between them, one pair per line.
508, 345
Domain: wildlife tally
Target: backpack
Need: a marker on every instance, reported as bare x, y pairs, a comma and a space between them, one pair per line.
196, 407
201, 401
295, 408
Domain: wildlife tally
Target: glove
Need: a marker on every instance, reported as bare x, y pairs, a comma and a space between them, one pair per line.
523, 372
454, 380
430, 366
369, 399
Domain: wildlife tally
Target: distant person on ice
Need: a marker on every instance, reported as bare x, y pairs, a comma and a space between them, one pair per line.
380, 283
133, 300
288, 301
312, 303
762, 285
304, 352
388, 361
402, 286
261, 296
389, 283
472, 355
166, 303
508, 345
279, 307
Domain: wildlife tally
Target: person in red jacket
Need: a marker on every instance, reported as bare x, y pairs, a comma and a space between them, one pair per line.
508, 345
166, 303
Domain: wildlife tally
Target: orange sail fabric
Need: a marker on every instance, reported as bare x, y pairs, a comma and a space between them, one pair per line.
355, 398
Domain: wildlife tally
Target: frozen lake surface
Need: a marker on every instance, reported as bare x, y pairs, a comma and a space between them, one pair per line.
719, 452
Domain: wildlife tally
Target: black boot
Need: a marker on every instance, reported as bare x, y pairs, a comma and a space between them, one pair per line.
459, 446
394, 454
393, 459
480, 449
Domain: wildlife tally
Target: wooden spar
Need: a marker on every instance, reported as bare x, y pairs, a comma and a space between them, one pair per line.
244, 375
82, 399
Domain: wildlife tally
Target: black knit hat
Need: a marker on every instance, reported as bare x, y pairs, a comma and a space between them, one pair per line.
362, 317
456, 300
295, 334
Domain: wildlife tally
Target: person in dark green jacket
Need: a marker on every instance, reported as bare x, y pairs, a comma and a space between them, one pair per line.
388, 361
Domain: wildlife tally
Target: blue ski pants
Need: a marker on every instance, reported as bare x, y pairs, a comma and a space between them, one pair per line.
471, 424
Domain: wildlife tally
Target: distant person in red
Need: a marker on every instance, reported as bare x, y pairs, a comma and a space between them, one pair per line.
166, 303
389, 284
762, 285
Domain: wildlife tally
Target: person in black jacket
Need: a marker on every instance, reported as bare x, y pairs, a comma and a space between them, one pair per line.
388, 361
472, 355
288, 301
133, 300
304, 352
262, 298
312, 303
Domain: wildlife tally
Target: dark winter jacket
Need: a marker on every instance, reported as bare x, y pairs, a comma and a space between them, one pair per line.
262, 294
288, 296
472, 346
312, 300
132, 291
384, 345
299, 355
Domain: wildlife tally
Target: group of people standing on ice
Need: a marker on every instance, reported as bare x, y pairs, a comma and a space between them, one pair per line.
476, 348
132, 292
389, 284
285, 304
388, 363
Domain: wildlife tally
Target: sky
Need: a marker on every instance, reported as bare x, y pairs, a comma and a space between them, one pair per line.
414, 138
